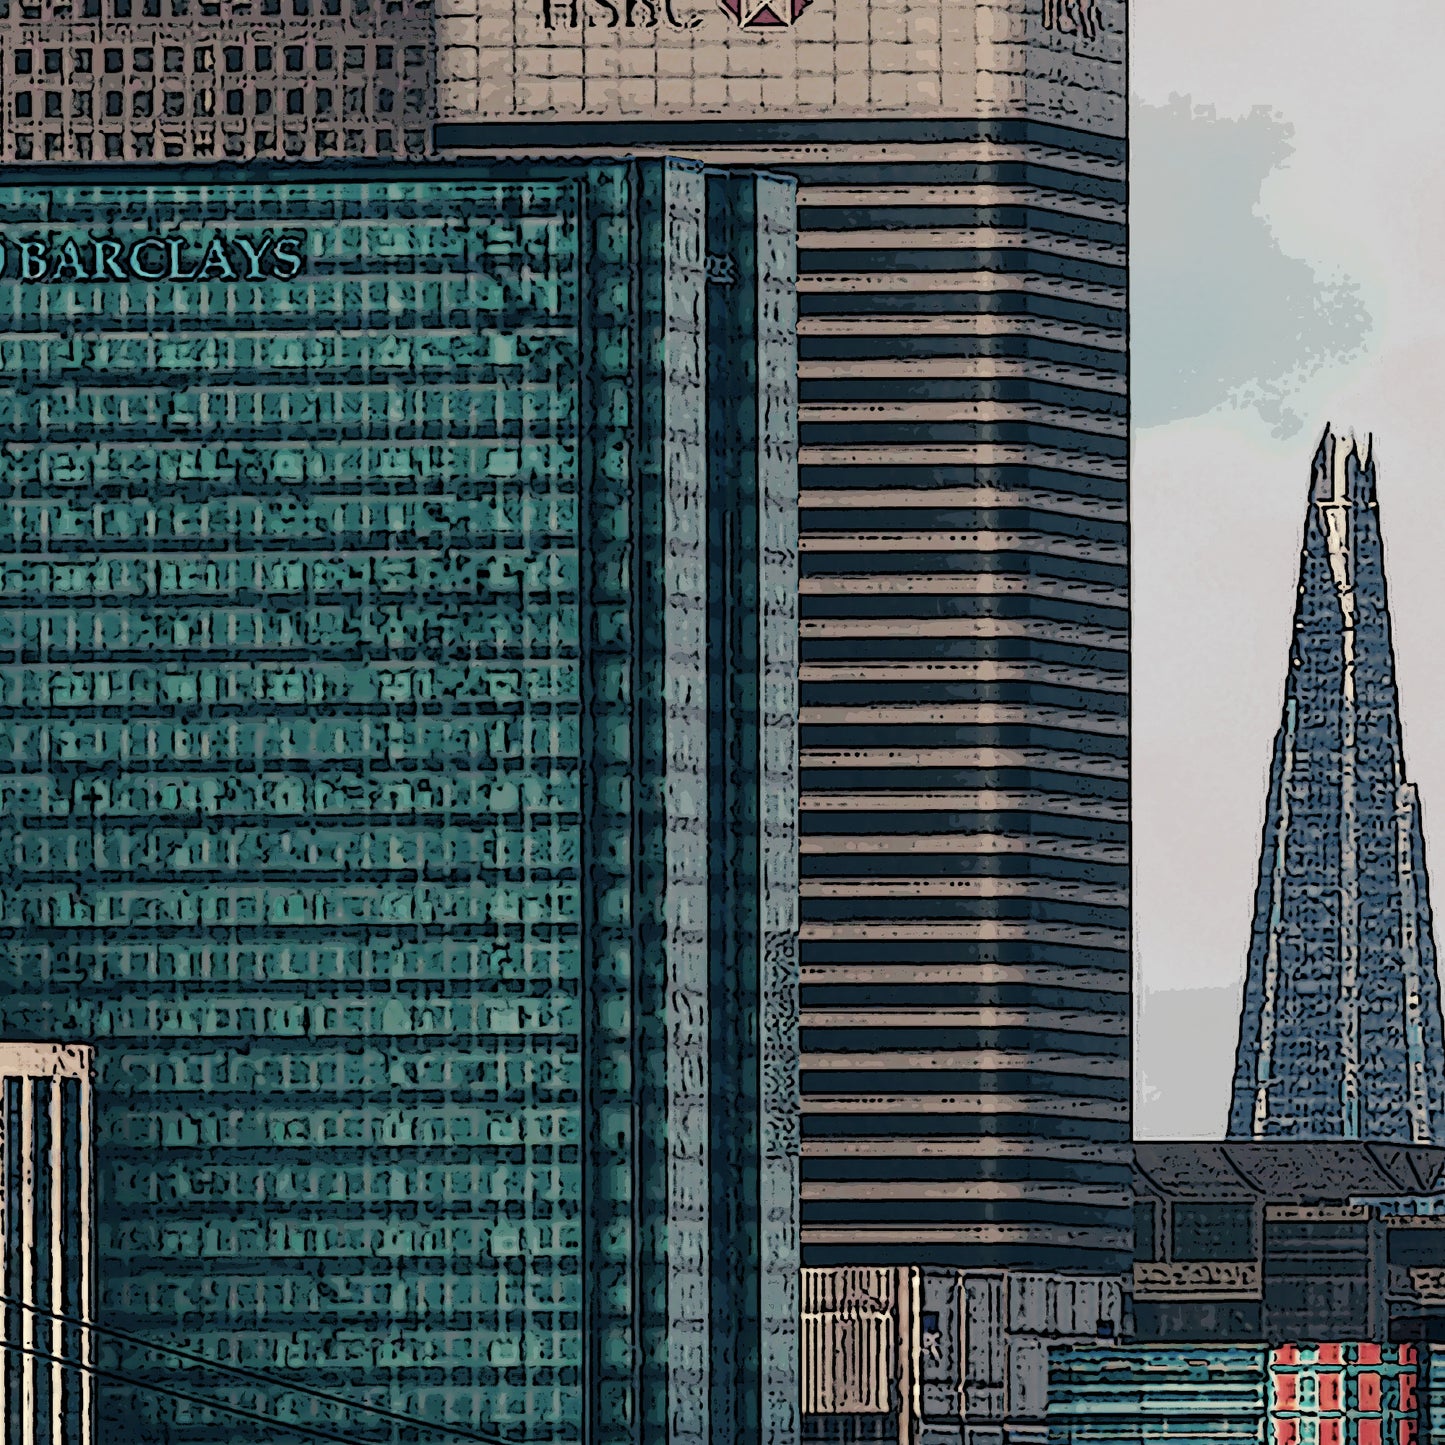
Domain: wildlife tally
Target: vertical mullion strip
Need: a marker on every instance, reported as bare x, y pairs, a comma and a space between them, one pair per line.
43, 1257
682, 694
28, 1253
14, 1277
727, 1108
777, 550
606, 402
71, 1248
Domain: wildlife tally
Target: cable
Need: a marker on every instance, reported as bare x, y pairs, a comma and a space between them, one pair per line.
313, 1432
259, 1377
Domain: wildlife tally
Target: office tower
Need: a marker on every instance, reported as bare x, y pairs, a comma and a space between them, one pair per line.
214, 80
963, 609
370, 691
46, 1383
1340, 1034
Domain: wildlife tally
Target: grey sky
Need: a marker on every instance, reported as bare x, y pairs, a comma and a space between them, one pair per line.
1323, 209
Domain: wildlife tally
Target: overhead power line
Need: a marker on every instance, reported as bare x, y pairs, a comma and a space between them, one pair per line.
310, 1432
259, 1377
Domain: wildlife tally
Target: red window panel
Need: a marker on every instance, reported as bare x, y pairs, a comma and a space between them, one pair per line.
1369, 1433
1286, 1432
1369, 1397
1334, 1355
1332, 1391
1408, 1404
1286, 1392
1369, 1354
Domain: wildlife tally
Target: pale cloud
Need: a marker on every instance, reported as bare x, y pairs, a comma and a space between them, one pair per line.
1221, 314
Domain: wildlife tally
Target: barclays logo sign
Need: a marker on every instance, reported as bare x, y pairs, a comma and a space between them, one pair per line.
219, 256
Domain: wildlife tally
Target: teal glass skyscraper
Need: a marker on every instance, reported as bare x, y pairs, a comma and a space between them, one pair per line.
390, 785
1340, 1035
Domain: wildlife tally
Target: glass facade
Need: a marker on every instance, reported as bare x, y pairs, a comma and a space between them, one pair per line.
354, 738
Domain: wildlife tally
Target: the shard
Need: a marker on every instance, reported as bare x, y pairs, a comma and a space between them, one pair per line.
1340, 1034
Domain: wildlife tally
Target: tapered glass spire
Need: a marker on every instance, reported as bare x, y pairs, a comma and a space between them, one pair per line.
1340, 1035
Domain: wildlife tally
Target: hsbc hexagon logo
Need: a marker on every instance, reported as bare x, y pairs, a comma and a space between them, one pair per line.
764, 14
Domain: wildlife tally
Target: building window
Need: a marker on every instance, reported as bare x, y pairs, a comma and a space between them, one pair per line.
114, 62
383, 141
263, 102
415, 142
80, 104
1146, 1232
24, 148
173, 149
82, 146
151, 8
205, 59
52, 62
120, 9
52, 103
141, 103
22, 62
295, 57
54, 147
205, 103
235, 102
145, 60
175, 59
1222, 1231
323, 102
81, 61
325, 57
415, 57
113, 103
263, 57
295, 102
385, 99
235, 58
23, 103
355, 57
385, 57
112, 144
173, 103
415, 102
143, 145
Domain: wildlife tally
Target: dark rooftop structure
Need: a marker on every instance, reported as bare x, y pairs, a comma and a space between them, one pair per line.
1289, 1241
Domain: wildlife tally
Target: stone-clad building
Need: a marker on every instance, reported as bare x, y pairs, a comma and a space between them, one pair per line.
963, 382
214, 80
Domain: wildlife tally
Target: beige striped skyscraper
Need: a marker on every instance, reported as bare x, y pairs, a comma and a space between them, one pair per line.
964, 636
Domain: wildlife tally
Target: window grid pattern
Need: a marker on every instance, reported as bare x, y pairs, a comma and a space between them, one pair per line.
194, 85
293, 815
